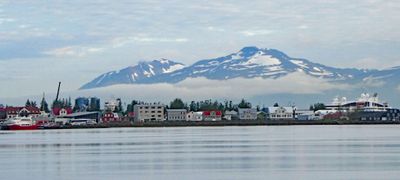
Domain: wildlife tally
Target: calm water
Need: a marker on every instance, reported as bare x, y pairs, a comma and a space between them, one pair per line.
284, 152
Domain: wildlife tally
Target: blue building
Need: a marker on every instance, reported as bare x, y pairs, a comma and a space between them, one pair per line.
387, 115
81, 104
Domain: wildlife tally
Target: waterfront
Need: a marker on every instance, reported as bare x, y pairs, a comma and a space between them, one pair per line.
251, 152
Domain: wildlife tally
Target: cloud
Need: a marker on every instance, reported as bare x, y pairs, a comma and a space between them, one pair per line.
202, 88
122, 41
373, 63
371, 81
4, 20
72, 51
256, 32
303, 26
215, 29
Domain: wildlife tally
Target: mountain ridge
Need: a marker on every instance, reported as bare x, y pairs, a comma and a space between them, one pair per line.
249, 62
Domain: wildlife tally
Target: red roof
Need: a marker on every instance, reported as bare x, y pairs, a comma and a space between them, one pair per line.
208, 113
16, 110
56, 111
33, 110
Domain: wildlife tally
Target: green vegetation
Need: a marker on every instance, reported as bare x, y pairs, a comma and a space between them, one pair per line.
177, 104
317, 106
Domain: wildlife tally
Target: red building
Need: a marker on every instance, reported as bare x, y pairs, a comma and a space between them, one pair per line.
62, 111
111, 117
213, 115
31, 111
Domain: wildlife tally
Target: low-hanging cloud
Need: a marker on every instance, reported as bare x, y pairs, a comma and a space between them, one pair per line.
202, 88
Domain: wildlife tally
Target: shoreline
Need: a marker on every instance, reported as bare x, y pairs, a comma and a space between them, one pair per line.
225, 123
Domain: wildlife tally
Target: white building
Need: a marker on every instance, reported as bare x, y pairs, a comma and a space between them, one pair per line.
247, 114
194, 116
230, 115
277, 113
176, 114
149, 112
111, 105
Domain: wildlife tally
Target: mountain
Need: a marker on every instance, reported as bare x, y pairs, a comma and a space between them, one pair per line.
252, 62
140, 73
249, 62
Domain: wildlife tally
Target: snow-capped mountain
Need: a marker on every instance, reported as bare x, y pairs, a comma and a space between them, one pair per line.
140, 73
249, 62
252, 62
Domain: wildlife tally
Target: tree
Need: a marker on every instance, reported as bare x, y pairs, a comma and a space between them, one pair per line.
69, 103
177, 104
44, 106
130, 107
193, 106
244, 104
276, 105
319, 106
119, 107
28, 103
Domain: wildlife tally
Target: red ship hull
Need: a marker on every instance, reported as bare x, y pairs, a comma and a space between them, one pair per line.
18, 127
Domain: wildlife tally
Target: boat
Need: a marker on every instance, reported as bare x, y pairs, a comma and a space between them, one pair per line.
20, 123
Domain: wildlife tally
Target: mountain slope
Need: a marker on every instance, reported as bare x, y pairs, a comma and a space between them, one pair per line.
253, 62
134, 74
249, 62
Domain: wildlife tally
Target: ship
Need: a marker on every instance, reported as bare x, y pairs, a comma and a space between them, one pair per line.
20, 123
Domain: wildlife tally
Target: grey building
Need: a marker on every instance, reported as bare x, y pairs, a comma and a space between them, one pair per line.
149, 112
176, 114
95, 116
247, 113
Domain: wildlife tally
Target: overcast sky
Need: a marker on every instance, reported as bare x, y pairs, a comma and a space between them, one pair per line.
73, 41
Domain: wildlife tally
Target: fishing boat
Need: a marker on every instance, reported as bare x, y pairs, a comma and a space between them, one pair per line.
20, 123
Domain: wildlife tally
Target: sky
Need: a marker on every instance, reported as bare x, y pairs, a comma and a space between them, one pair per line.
43, 42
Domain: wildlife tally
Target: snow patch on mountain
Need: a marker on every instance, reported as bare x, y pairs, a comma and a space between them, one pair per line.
173, 68
249, 62
264, 60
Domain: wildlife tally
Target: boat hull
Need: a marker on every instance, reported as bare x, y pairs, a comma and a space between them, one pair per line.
19, 127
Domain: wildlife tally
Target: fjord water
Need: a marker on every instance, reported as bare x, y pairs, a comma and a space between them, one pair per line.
277, 152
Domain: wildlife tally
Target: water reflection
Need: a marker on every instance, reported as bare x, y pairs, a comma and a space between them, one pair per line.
294, 152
